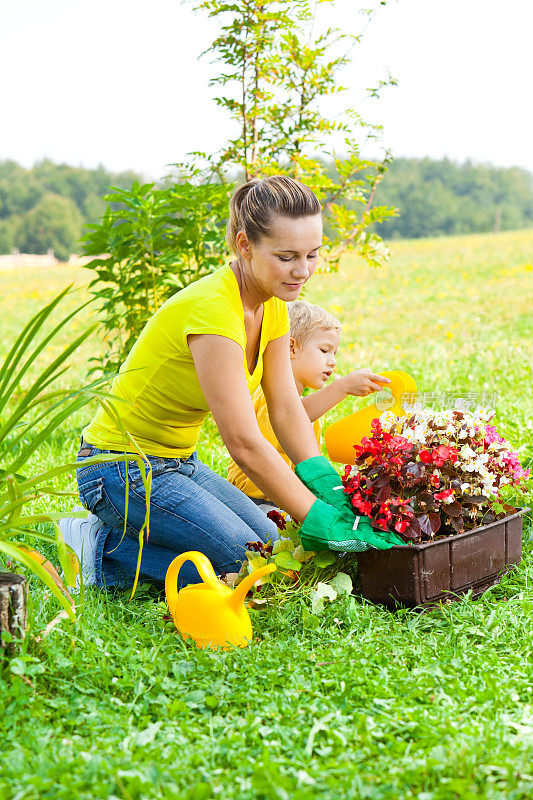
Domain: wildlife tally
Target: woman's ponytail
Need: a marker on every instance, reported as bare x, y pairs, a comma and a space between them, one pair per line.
253, 205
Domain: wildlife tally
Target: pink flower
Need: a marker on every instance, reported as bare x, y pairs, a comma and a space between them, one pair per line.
442, 453
491, 435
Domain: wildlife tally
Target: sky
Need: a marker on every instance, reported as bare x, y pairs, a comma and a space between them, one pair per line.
119, 83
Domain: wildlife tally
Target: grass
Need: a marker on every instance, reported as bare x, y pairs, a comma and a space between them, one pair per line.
371, 704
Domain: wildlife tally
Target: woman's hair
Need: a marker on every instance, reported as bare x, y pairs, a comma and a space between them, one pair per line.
253, 205
305, 318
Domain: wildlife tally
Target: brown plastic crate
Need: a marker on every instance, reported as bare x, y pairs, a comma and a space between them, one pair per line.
429, 573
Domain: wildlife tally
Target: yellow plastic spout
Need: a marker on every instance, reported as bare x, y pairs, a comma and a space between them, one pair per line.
239, 594
341, 436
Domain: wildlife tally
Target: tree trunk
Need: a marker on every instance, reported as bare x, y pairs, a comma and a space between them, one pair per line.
13, 614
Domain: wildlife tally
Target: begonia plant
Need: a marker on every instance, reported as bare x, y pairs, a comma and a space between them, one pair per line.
433, 473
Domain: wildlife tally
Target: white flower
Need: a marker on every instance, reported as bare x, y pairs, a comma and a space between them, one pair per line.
466, 452
387, 420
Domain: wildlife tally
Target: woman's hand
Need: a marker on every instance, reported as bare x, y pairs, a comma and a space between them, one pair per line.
361, 382
328, 528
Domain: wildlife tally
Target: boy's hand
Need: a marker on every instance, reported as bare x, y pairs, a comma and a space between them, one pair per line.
362, 382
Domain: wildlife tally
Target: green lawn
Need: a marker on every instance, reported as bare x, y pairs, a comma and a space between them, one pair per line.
371, 704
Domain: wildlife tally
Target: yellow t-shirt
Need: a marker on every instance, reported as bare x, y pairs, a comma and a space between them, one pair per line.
164, 404
235, 475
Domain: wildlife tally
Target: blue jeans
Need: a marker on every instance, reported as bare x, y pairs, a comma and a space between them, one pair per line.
191, 508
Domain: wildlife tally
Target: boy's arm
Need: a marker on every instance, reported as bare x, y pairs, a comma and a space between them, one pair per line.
360, 383
318, 403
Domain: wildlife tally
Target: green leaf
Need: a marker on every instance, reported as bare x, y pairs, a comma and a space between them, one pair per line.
17, 666
342, 583
282, 545
324, 559
321, 593
284, 560
195, 697
310, 620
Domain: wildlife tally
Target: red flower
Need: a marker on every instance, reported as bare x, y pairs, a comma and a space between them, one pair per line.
276, 517
442, 453
401, 443
401, 525
376, 426
442, 496
425, 456
364, 506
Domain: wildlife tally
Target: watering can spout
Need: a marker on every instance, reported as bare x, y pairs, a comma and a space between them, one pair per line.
238, 595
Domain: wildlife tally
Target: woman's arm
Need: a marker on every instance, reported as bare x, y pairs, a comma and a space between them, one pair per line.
220, 368
288, 417
359, 383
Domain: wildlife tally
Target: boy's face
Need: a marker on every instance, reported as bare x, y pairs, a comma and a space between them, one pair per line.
313, 363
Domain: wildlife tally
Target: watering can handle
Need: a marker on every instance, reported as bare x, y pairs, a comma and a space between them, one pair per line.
202, 564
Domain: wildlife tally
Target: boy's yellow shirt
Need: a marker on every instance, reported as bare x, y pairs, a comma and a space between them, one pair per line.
159, 397
235, 475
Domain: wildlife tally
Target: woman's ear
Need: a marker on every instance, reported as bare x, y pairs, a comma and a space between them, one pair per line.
292, 347
243, 245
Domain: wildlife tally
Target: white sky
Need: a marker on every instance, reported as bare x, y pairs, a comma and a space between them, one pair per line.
118, 82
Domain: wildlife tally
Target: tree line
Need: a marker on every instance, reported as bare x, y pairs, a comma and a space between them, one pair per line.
48, 205
440, 198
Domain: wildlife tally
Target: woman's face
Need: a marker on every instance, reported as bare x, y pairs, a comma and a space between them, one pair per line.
280, 264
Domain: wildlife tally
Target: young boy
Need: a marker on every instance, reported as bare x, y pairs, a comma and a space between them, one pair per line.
314, 341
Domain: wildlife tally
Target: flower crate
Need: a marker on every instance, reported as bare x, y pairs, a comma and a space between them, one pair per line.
432, 572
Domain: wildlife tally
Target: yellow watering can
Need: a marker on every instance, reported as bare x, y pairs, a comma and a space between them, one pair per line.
210, 613
341, 436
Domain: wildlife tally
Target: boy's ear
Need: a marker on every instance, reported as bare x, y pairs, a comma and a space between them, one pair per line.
292, 347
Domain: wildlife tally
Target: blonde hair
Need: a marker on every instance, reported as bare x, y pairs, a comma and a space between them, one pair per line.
253, 205
305, 318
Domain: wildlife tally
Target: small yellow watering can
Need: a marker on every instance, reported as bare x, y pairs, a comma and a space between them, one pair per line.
210, 613
341, 436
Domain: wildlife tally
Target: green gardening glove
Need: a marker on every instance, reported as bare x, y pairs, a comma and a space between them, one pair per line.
323, 480
327, 528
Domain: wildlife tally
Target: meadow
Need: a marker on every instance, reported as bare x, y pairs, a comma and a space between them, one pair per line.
369, 703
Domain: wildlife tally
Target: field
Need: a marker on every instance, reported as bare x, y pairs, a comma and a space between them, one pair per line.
370, 704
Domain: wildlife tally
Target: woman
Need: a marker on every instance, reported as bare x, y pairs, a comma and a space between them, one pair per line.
206, 350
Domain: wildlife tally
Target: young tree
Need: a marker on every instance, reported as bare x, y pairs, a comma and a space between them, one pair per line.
150, 244
274, 71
